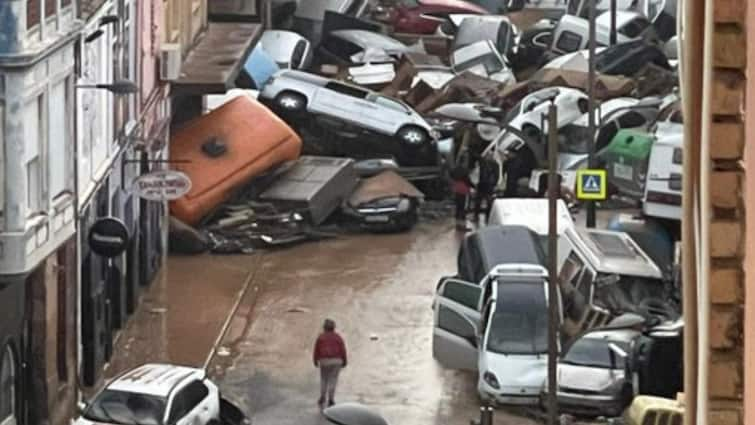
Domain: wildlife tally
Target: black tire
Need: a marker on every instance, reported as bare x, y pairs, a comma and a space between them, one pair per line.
291, 101
413, 136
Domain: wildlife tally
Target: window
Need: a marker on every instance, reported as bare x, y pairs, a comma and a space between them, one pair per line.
678, 156
347, 90
7, 388
585, 284
341, 48
650, 418
60, 139
196, 392
520, 322
467, 295
634, 28
64, 3
49, 8
33, 13
453, 322
675, 181
33, 135
126, 408
631, 119
595, 352
298, 54
569, 42
186, 400
390, 103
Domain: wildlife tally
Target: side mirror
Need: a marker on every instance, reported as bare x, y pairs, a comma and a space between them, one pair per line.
81, 407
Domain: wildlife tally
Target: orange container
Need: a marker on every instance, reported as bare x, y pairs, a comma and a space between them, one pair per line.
225, 149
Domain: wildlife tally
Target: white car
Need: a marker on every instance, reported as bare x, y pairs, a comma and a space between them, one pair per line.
287, 48
155, 394
499, 329
527, 115
296, 91
482, 58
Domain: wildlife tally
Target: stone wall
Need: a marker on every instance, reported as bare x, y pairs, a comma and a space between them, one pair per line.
727, 184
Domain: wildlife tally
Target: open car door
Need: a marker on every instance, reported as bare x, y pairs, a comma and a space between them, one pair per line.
456, 323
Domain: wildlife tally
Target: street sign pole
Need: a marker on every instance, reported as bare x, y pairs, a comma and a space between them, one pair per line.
591, 107
553, 319
613, 22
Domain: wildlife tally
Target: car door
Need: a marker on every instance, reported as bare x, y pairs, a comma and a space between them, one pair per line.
345, 102
392, 113
192, 405
456, 323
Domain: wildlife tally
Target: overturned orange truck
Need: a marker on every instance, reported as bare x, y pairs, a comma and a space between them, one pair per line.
224, 150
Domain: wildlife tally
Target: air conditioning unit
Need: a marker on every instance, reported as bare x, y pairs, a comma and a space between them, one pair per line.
170, 61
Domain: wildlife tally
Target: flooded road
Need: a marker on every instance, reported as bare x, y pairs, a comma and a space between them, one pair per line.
379, 291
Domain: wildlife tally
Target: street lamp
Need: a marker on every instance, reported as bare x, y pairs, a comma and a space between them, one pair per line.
117, 87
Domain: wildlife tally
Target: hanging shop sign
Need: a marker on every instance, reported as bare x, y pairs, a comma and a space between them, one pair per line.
164, 185
108, 237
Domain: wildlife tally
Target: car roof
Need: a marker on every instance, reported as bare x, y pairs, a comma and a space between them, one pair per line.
155, 379
456, 4
507, 245
616, 253
365, 39
307, 77
530, 212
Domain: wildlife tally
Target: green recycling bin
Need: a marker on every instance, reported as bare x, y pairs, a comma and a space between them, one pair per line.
626, 161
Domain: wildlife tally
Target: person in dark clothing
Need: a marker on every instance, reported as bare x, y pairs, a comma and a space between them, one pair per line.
489, 175
462, 186
330, 356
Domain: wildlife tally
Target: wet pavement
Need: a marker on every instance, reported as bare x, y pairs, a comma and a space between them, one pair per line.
379, 291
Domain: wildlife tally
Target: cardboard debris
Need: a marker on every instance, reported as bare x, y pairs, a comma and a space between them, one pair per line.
606, 86
466, 87
653, 80
410, 65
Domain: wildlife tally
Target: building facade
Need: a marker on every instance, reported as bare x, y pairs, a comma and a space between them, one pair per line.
38, 375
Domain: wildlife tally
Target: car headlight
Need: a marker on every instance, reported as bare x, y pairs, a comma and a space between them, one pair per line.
490, 379
404, 205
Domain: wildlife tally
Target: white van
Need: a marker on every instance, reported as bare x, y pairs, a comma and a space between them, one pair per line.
663, 188
572, 32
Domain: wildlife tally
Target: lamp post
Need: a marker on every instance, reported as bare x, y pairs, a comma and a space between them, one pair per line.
590, 222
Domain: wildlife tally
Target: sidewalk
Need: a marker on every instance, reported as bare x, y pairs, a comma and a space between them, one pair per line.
182, 314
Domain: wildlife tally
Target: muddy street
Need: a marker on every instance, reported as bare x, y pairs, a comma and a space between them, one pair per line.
379, 290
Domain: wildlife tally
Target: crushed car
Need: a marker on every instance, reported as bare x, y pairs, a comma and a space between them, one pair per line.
384, 202
356, 47
420, 16
482, 58
289, 49
499, 29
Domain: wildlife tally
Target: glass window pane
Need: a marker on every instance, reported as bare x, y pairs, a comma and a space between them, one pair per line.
464, 294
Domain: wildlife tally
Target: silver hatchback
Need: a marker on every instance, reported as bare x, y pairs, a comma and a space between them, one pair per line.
295, 92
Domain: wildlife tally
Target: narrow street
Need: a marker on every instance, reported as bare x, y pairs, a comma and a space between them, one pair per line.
379, 290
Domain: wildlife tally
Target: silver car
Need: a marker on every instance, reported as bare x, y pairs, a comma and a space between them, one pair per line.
296, 91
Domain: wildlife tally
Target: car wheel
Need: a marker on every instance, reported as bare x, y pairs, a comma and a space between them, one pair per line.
291, 102
412, 135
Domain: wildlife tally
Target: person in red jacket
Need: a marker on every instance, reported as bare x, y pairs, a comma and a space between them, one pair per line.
330, 356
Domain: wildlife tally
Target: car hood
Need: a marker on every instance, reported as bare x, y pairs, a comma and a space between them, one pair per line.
587, 378
520, 374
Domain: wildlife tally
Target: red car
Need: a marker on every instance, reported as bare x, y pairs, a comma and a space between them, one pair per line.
407, 15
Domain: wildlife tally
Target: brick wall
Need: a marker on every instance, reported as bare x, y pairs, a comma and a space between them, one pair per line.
727, 247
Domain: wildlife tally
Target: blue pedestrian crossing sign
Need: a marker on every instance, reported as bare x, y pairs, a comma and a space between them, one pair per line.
591, 185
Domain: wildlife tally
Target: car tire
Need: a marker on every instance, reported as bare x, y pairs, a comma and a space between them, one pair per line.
291, 101
413, 136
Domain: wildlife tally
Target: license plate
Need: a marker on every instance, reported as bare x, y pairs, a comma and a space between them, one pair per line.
377, 219
623, 171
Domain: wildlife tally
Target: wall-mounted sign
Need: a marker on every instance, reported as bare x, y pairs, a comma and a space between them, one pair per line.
108, 237
166, 185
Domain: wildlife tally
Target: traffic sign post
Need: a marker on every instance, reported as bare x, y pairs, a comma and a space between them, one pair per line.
591, 185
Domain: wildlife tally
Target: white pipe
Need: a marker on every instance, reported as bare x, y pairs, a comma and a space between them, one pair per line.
705, 217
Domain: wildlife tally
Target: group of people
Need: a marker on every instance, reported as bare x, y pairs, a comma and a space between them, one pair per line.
481, 195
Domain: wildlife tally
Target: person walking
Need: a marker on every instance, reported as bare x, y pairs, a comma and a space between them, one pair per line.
330, 356
489, 176
462, 186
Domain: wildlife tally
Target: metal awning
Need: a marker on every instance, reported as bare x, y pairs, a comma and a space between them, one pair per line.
214, 63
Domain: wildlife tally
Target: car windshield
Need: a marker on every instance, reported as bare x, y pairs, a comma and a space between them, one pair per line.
490, 62
126, 408
595, 352
520, 322
574, 138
